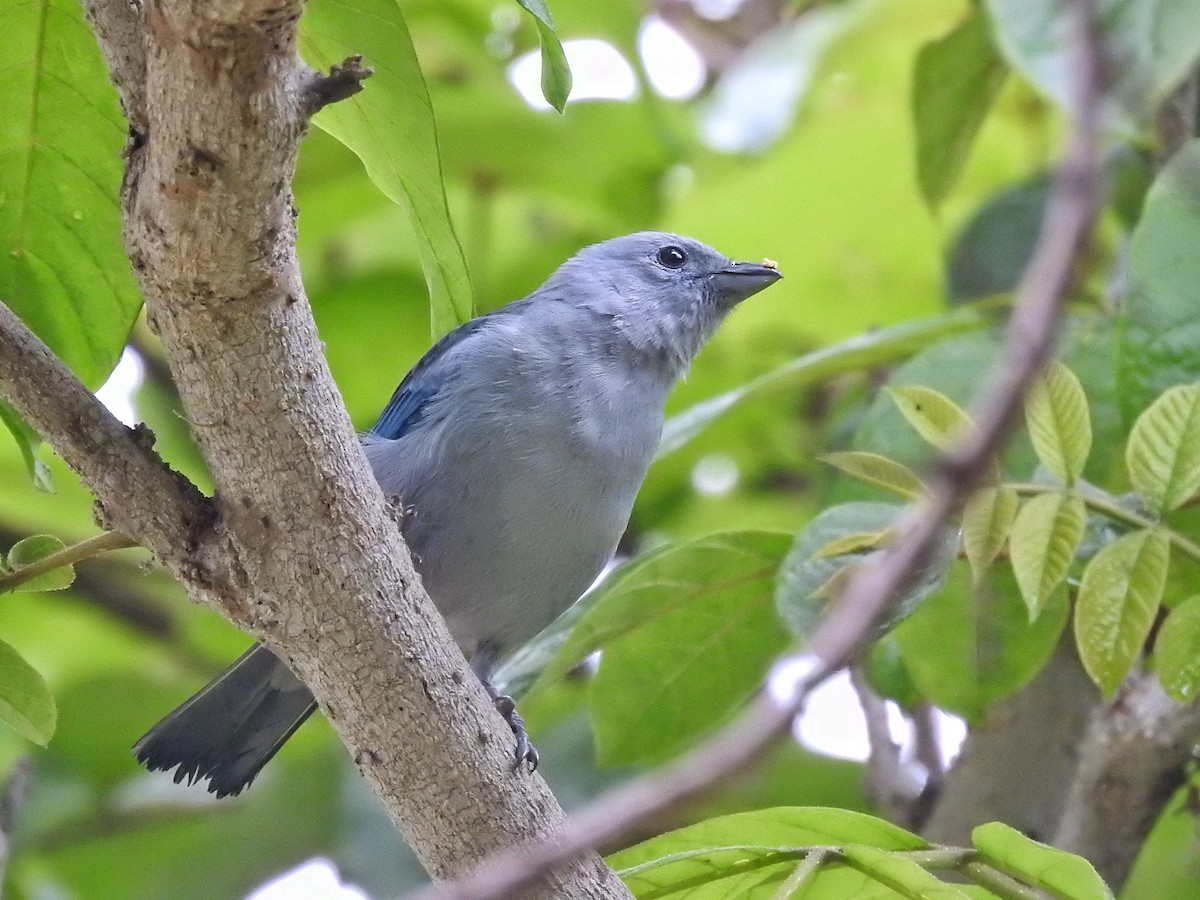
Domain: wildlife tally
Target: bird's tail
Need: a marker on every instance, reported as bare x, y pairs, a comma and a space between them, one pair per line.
230, 729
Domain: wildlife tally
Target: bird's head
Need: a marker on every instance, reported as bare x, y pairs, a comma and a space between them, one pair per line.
665, 293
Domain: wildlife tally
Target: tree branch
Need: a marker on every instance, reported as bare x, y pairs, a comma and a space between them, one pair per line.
325, 579
1130, 764
850, 624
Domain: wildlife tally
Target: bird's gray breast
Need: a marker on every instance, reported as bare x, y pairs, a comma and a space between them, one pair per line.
522, 488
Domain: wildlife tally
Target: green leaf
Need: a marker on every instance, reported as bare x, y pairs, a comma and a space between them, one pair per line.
1042, 543
1147, 48
684, 672
735, 854
987, 518
902, 875
1118, 598
1161, 330
878, 470
62, 264
1062, 874
26, 704
1177, 651
28, 443
1163, 454
956, 79
669, 579
972, 644
1056, 413
933, 415
33, 549
390, 126
556, 74
865, 351
990, 253
855, 542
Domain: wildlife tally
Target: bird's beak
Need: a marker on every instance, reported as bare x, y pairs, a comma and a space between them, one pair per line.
740, 280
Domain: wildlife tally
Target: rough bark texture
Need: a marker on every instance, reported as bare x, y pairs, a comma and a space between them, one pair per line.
305, 553
1131, 762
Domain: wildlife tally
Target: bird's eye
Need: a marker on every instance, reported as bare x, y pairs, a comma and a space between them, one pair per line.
672, 257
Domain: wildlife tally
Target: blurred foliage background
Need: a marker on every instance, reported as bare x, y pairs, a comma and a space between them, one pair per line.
796, 142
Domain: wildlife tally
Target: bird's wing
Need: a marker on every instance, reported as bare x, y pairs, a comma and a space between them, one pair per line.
420, 385
428, 377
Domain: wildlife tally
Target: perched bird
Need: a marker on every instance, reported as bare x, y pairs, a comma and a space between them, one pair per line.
516, 445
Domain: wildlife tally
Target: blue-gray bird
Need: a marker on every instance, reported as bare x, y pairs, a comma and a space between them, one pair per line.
516, 446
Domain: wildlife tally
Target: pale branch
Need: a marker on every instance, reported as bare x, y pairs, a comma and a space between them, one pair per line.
327, 582
1131, 761
893, 786
841, 635
119, 29
342, 81
137, 494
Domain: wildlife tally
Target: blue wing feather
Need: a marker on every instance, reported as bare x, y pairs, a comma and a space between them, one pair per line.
406, 408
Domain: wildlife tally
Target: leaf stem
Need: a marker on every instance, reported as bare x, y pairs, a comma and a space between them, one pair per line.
802, 873
1117, 513
105, 541
999, 883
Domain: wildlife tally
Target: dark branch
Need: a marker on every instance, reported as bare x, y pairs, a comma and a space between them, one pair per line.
342, 81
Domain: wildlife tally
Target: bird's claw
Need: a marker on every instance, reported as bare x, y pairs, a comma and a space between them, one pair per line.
524, 753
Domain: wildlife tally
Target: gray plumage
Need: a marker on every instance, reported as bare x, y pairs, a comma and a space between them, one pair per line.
518, 444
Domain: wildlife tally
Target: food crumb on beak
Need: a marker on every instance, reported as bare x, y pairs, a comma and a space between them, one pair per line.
770, 263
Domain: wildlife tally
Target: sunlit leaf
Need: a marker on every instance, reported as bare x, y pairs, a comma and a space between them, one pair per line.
855, 542
62, 265
1060, 873
1177, 651
739, 853
1147, 47
933, 415
34, 549
899, 873
878, 470
1056, 413
987, 517
28, 443
556, 74
26, 704
865, 351
1163, 453
1042, 543
1118, 598
390, 126
956, 79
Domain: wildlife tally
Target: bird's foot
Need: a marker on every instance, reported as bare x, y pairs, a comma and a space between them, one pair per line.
524, 753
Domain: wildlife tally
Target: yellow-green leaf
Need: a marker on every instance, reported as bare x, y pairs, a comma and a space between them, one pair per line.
1060, 427
901, 874
1060, 873
878, 470
33, 549
1118, 599
987, 518
1043, 540
26, 703
855, 542
1163, 454
1177, 651
933, 415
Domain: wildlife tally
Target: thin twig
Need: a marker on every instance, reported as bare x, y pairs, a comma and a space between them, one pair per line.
890, 785
801, 874
850, 624
67, 556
